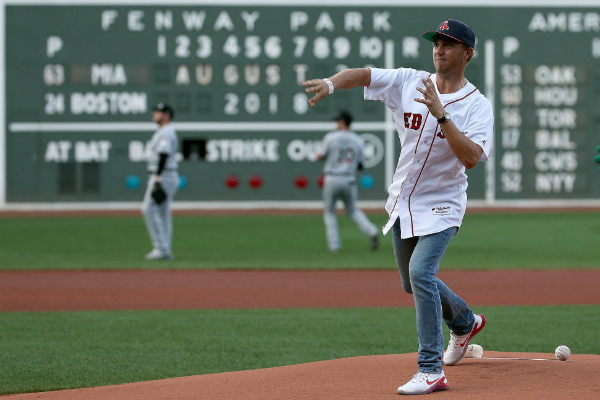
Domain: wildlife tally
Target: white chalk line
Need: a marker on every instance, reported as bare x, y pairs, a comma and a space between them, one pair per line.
518, 358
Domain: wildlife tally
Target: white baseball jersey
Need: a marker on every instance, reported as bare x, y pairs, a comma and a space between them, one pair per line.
428, 191
343, 150
163, 141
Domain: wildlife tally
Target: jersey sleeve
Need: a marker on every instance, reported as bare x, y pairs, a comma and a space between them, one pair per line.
360, 152
480, 126
165, 144
326, 145
386, 86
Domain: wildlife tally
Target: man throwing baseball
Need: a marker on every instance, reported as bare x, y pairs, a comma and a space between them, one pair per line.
163, 181
445, 125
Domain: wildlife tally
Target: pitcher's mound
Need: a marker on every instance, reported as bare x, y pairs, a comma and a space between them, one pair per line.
496, 376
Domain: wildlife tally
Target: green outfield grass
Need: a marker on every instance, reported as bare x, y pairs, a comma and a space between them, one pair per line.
60, 350
486, 241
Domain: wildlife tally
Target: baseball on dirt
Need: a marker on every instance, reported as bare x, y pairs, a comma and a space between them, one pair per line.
474, 351
562, 353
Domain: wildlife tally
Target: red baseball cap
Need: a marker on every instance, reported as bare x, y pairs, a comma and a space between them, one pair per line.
453, 29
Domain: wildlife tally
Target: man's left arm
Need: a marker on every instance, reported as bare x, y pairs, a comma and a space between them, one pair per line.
162, 161
323, 152
360, 155
468, 152
164, 148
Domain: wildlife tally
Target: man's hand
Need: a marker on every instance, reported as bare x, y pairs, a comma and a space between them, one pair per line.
318, 87
431, 99
467, 152
346, 79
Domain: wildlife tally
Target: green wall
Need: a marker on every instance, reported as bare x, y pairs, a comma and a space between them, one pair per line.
81, 81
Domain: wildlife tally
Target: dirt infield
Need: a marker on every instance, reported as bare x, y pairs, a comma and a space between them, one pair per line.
375, 377
365, 378
117, 290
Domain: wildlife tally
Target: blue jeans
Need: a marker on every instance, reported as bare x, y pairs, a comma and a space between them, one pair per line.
418, 260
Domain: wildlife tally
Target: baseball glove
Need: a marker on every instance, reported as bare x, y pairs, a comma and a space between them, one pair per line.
158, 193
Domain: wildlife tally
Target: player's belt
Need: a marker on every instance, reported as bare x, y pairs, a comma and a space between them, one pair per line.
164, 169
338, 174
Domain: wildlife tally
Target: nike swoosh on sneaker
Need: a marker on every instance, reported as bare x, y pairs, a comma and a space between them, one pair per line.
431, 383
475, 329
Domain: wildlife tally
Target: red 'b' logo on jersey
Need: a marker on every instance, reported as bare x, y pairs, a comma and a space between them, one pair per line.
443, 26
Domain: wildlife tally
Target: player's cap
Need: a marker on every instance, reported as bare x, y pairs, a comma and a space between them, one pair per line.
344, 116
164, 108
455, 30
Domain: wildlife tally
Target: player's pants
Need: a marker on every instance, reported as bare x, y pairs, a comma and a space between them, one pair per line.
342, 188
418, 260
158, 216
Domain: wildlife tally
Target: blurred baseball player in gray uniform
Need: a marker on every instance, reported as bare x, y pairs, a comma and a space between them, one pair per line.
343, 154
163, 181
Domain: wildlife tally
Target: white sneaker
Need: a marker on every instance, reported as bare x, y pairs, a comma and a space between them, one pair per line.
457, 346
424, 383
156, 254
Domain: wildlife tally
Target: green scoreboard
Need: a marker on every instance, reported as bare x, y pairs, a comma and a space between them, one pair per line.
81, 78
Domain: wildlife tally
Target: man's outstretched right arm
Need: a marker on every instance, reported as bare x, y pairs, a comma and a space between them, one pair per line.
347, 79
